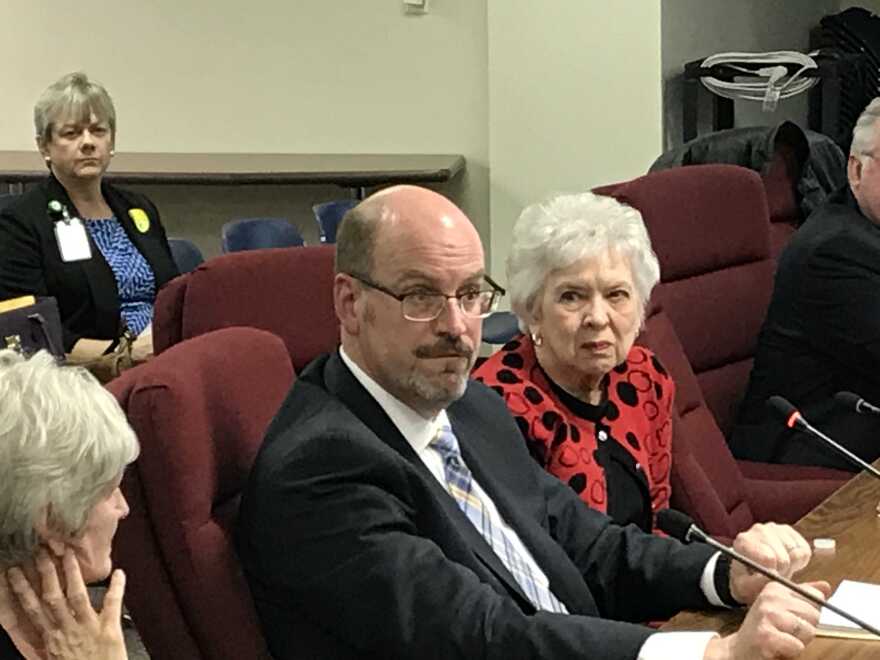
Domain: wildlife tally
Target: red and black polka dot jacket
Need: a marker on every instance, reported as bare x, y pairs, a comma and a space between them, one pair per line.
616, 456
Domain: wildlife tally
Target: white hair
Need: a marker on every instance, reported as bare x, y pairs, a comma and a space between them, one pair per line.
566, 228
863, 132
64, 440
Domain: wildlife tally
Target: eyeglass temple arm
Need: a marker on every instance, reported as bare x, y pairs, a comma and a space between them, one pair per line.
500, 289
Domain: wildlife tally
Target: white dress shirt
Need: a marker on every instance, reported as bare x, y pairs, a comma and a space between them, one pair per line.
419, 432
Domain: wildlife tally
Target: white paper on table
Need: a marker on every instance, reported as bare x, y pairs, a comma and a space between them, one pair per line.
861, 599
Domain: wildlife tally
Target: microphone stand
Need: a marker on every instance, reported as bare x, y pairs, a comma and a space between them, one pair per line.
695, 532
840, 448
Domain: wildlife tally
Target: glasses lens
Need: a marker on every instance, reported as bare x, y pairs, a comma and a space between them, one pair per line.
479, 303
422, 306
428, 306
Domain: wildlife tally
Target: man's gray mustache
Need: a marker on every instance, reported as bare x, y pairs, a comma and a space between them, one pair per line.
443, 351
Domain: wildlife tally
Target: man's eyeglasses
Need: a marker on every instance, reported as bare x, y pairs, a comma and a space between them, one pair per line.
426, 305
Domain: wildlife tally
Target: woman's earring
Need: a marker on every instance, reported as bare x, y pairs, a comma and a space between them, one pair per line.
48, 159
537, 339
113, 152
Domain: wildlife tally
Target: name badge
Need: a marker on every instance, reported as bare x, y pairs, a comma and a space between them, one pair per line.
73, 241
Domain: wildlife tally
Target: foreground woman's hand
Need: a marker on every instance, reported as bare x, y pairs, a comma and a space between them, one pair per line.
70, 628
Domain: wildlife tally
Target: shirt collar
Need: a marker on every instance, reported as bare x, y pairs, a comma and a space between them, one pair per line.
417, 430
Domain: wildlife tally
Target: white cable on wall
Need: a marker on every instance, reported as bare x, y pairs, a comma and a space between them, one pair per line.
774, 85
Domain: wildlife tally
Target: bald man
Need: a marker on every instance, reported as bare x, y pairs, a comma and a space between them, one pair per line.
394, 512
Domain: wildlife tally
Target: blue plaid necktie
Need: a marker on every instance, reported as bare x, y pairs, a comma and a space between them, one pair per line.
459, 483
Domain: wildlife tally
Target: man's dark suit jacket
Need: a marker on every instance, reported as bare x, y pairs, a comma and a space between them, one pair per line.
88, 298
352, 548
821, 336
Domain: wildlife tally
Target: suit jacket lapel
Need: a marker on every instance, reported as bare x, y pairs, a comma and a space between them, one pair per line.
341, 382
565, 581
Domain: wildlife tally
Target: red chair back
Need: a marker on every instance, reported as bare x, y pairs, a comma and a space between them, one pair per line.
200, 410
705, 479
287, 291
709, 226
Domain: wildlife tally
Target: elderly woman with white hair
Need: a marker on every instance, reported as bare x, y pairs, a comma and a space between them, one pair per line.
594, 409
99, 250
64, 444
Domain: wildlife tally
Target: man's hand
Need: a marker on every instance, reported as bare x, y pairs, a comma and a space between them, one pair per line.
779, 624
70, 628
777, 547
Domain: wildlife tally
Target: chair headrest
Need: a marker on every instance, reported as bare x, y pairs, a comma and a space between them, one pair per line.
287, 291
700, 218
200, 410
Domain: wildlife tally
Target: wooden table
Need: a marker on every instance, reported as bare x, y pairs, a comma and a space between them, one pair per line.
355, 171
849, 516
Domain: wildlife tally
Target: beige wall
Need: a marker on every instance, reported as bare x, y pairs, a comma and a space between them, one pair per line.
539, 96
262, 76
574, 100
572, 104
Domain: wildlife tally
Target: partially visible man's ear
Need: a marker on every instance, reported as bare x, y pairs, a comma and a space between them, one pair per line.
345, 297
854, 172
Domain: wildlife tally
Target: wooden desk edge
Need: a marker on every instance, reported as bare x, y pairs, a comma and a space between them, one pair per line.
348, 178
727, 621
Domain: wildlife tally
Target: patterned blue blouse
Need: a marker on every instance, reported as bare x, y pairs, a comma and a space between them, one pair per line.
134, 277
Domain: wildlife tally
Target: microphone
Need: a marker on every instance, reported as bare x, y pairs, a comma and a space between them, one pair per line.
793, 419
855, 402
680, 526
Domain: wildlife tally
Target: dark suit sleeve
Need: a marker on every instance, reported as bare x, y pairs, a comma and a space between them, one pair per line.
339, 542
633, 576
21, 263
22, 266
842, 305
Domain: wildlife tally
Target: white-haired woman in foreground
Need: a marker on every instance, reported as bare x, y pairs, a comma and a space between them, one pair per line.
64, 444
594, 409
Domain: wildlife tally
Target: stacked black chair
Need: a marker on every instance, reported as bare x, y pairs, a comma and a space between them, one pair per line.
850, 42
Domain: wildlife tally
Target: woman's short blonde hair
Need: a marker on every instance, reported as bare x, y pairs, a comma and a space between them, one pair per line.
74, 97
64, 441
566, 228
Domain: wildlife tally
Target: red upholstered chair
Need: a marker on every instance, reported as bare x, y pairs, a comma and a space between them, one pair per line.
707, 482
287, 291
200, 410
709, 226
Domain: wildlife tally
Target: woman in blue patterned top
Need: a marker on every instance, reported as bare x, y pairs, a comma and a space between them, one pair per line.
105, 270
